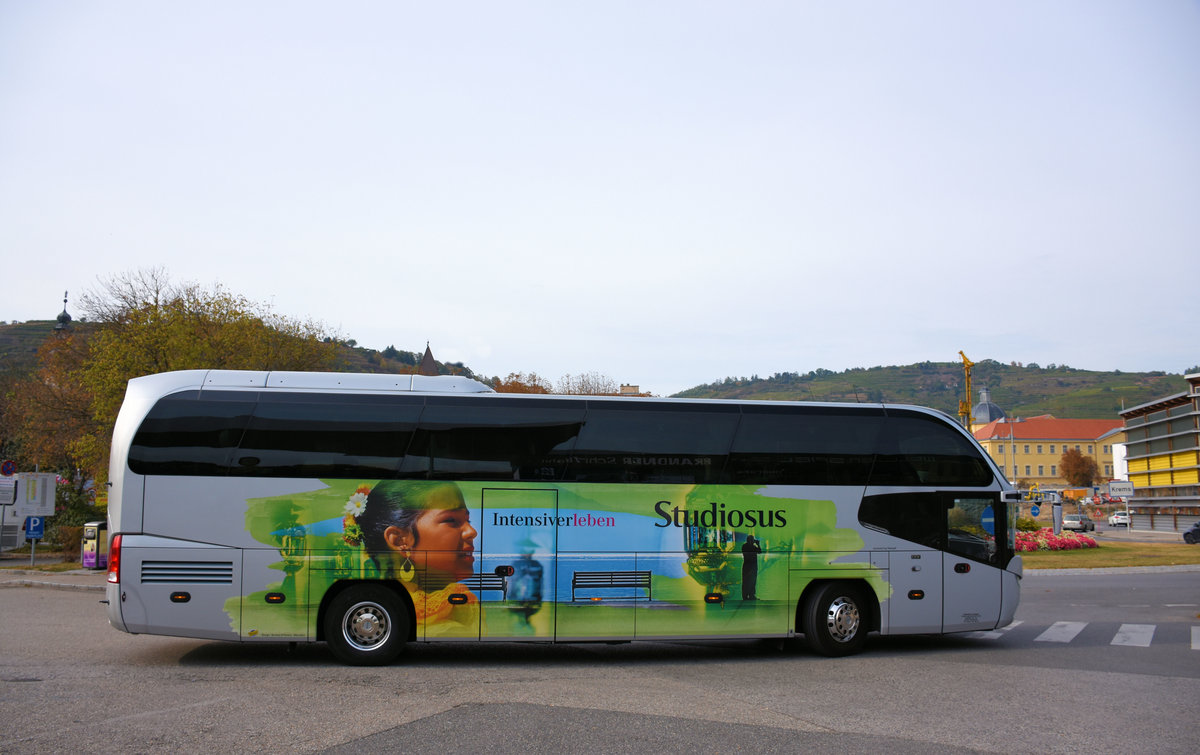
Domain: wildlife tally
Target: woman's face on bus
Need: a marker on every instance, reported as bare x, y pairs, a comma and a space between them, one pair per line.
444, 533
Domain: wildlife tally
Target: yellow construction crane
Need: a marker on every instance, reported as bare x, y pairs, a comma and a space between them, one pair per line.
964, 406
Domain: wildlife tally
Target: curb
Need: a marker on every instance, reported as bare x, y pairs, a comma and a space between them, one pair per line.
1178, 568
51, 585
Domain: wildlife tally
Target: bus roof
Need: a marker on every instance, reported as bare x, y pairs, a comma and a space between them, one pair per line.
172, 382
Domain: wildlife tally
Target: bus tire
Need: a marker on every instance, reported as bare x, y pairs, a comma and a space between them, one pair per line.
836, 619
366, 625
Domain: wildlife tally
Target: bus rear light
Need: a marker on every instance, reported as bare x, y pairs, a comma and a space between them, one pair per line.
114, 561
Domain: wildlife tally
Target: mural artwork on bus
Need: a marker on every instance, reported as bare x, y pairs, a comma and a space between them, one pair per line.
567, 561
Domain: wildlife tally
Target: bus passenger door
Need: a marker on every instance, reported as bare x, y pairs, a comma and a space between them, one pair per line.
518, 532
970, 582
915, 605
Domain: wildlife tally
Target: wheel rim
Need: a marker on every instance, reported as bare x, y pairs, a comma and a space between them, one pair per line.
366, 626
842, 619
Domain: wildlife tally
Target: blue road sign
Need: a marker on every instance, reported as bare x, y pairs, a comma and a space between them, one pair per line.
35, 527
1035, 510
988, 521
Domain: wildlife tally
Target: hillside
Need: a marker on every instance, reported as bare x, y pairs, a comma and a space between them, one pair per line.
19, 343
1019, 390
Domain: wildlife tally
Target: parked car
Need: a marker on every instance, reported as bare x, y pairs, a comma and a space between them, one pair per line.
1192, 536
1078, 522
1119, 519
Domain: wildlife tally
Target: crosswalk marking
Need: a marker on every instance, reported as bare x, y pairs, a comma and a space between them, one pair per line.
995, 634
1134, 635
1061, 631
1128, 635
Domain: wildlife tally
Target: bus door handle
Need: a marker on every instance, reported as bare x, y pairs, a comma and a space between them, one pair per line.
962, 568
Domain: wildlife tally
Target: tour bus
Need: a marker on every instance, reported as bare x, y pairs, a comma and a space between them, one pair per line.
371, 511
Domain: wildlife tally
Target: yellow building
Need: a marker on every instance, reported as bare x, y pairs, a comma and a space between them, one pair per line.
1029, 450
1163, 453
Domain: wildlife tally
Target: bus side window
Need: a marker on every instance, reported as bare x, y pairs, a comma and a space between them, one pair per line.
915, 517
967, 520
326, 435
462, 438
653, 443
804, 446
186, 434
916, 449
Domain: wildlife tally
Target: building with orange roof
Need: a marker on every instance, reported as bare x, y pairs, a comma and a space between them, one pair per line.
1029, 449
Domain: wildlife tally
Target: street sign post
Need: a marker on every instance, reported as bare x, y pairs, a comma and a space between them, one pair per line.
8, 502
1118, 489
35, 529
25, 494
36, 497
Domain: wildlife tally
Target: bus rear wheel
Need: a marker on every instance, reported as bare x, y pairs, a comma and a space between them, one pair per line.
366, 625
835, 620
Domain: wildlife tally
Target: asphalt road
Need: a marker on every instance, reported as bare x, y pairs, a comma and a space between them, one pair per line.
68, 682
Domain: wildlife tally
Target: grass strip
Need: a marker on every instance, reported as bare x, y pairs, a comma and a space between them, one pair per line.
1113, 555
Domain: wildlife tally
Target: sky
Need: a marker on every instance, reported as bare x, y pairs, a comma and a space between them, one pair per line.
664, 192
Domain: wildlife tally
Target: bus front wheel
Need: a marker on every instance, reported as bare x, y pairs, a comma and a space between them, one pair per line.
835, 619
366, 625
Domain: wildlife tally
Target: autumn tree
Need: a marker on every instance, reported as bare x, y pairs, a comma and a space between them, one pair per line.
47, 417
141, 323
521, 382
1078, 470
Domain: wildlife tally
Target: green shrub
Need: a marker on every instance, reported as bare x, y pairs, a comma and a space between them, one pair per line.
69, 539
1027, 524
73, 508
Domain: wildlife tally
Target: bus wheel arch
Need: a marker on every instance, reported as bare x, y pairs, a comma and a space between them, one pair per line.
836, 615
366, 623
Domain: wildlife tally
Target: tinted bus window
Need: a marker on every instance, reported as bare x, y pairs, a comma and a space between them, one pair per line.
653, 443
327, 435
504, 439
186, 434
916, 517
804, 445
916, 449
963, 524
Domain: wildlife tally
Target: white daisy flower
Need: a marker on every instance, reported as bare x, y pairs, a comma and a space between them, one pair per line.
356, 505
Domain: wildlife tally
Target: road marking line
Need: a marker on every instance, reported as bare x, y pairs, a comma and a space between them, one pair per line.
994, 634
1134, 635
1195, 638
1182, 605
1061, 631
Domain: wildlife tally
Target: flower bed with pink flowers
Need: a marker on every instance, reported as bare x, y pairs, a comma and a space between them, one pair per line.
1045, 540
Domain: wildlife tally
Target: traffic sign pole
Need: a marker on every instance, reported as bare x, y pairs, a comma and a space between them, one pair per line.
35, 529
